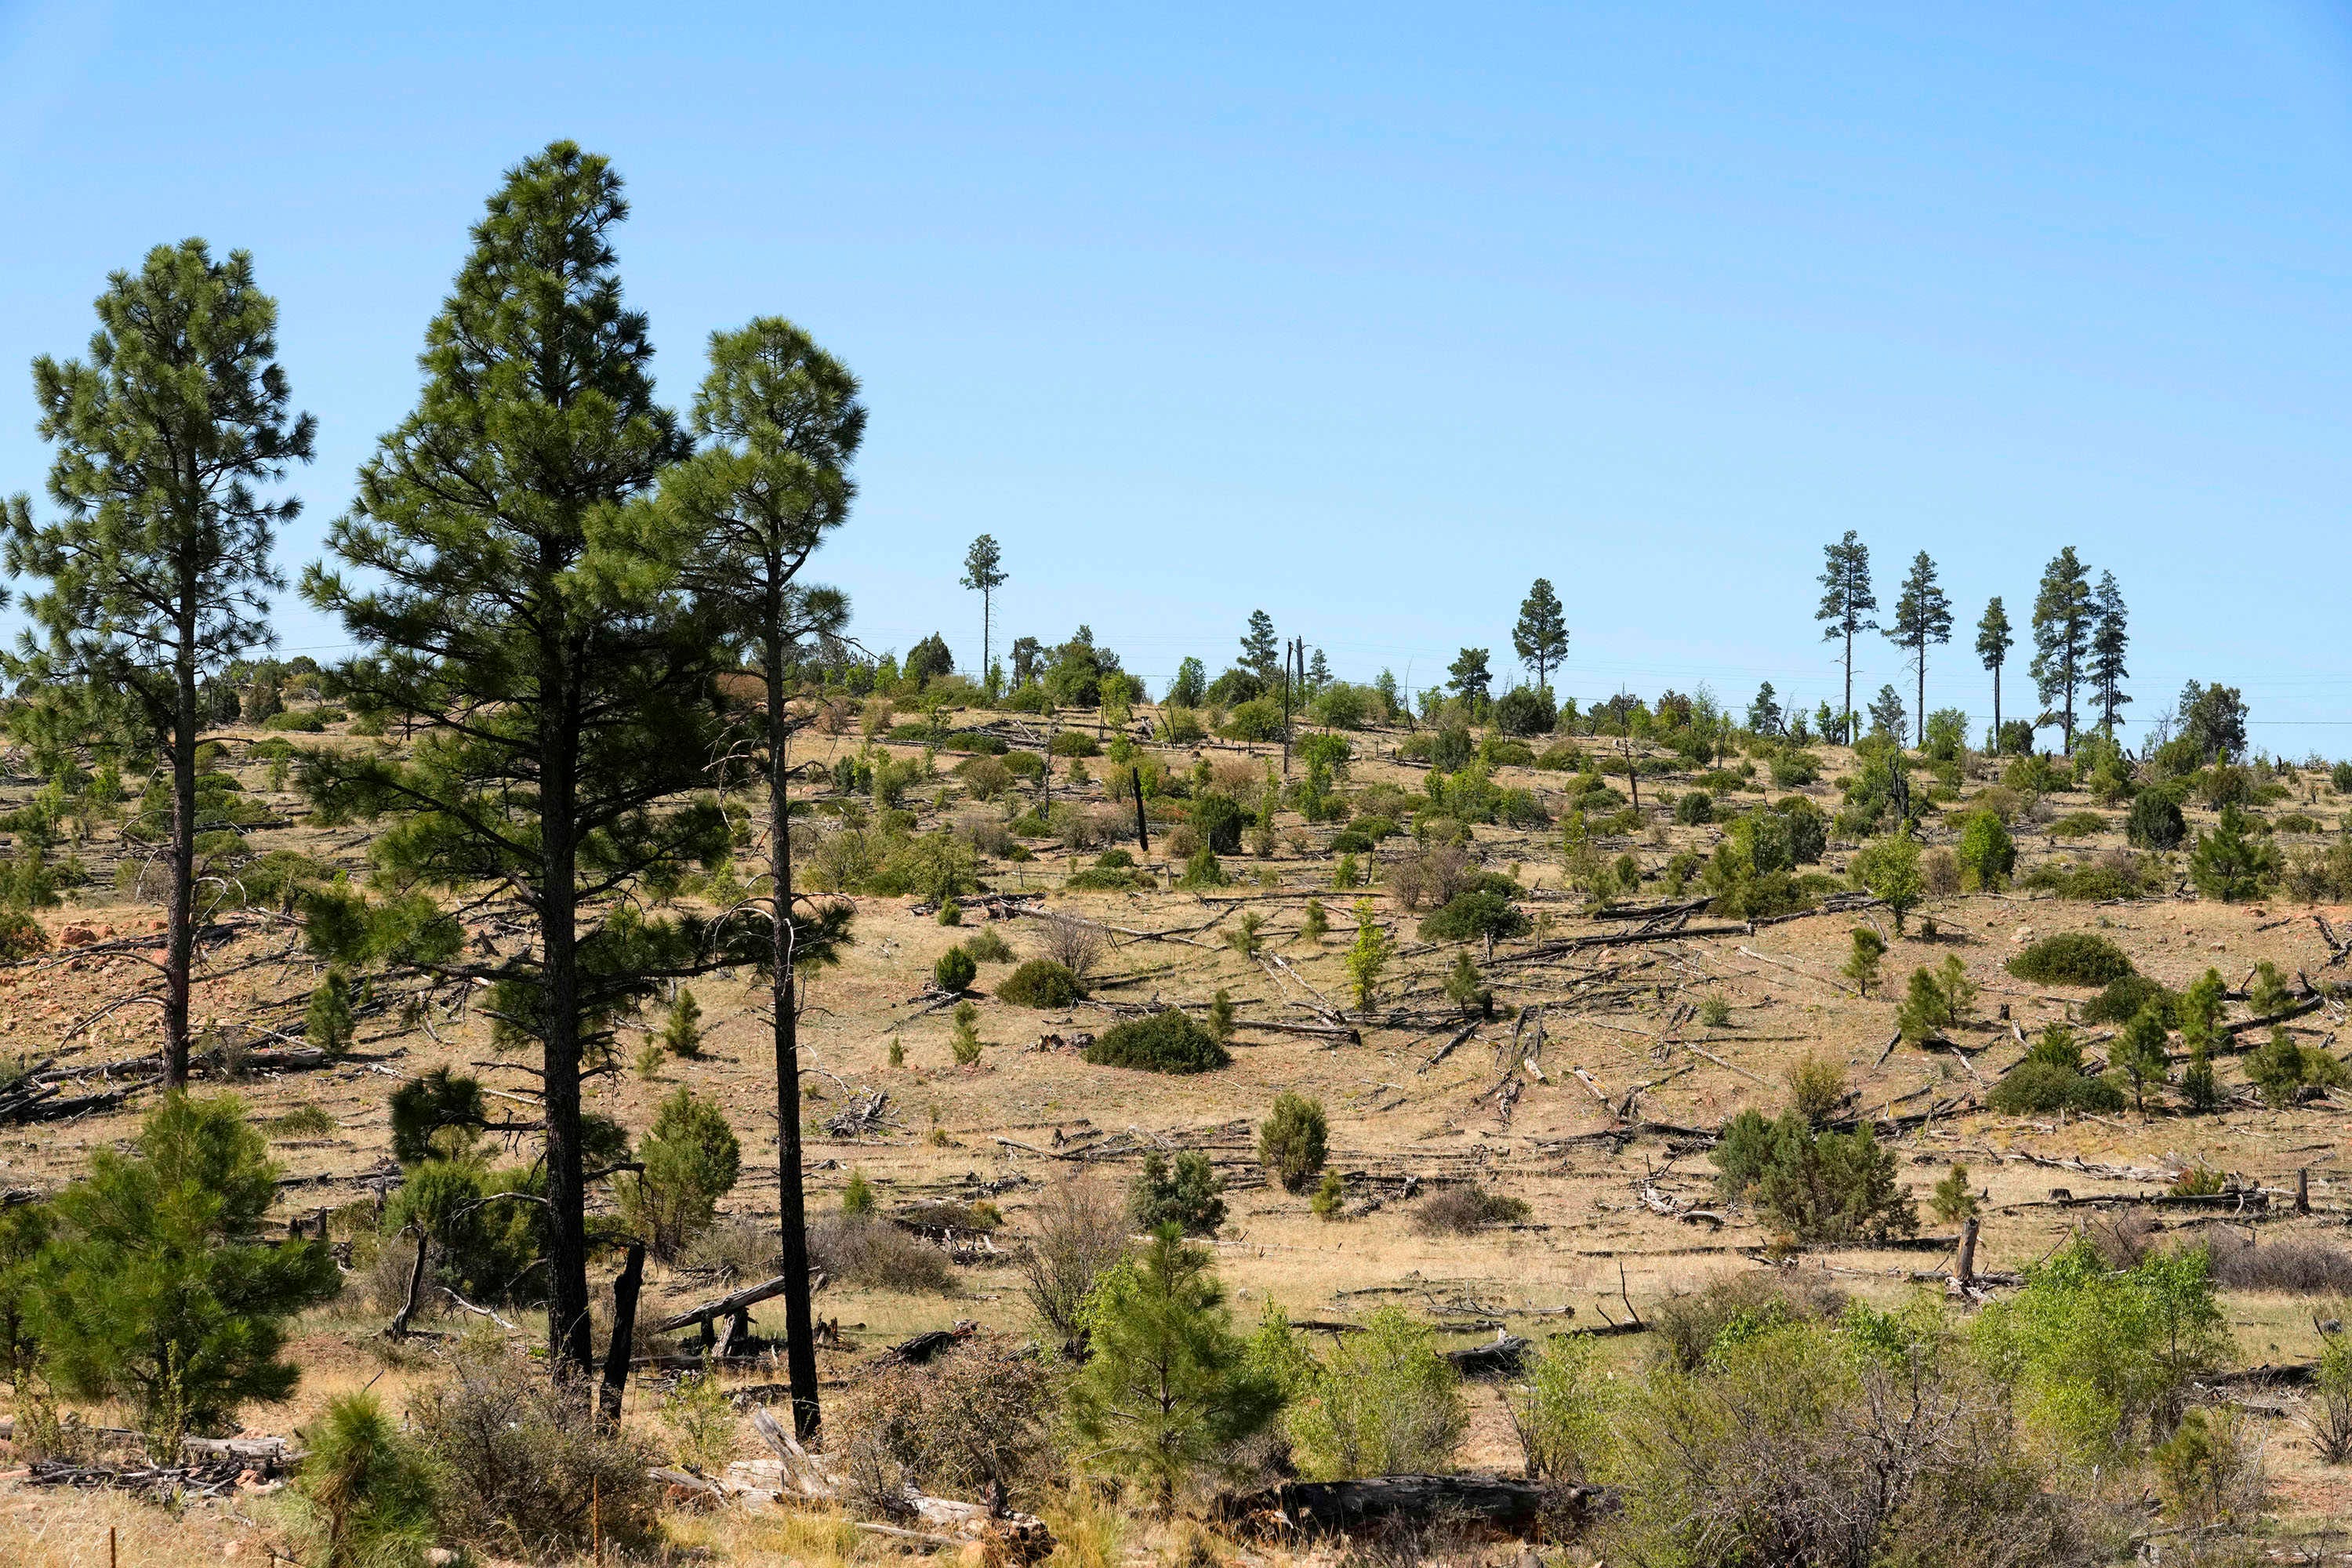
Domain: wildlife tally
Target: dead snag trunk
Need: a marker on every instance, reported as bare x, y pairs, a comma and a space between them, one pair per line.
624, 1333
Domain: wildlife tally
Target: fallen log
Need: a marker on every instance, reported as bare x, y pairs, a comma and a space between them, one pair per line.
1501, 1505
1501, 1357
725, 1307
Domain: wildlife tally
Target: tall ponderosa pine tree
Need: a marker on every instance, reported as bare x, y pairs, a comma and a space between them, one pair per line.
1923, 615
1261, 650
159, 568
519, 602
1846, 604
780, 420
1541, 638
2063, 614
2110, 640
983, 574
1993, 643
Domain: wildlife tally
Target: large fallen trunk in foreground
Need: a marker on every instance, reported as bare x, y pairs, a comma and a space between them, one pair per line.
1495, 1505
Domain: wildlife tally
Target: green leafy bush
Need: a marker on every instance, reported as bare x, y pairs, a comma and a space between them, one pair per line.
2124, 998
2051, 1079
692, 1159
158, 1287
2072, 958
1986, 852
366, 1495
2155, 821
1187, 1195
1386, 1403
1041, 983
1292, 1141
955, 971
2234, 861
1169, 1041
1480, 916
1694, 809
1819, 1187
2282, 1069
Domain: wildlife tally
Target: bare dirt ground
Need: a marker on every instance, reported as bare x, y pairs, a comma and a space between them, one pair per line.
1578, 1143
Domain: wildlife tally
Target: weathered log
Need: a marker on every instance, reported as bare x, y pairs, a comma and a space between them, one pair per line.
726, 1306
919, 1348
1502, 1357
1500, 1505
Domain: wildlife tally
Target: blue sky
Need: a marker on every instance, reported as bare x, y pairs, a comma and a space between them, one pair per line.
1365, 315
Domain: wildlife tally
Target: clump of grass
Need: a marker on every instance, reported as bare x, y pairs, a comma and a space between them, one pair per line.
302, 1121
1462, 1211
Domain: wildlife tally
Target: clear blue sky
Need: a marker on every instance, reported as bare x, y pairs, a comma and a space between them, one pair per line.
1366, 315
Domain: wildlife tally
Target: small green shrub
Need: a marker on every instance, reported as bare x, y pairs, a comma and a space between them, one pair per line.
1292, 1141
1187, 1195
691, 1159
965, 1040
329, 1022
2072, 958
1986, 853
1954, 1199
955, 971
2051, 1079
2124, 998
1819, 1186
2282, 1069
366, 1495
987, 947
1387, 1404
1816, 1088
1169, 1041
2155, 821
1041, 983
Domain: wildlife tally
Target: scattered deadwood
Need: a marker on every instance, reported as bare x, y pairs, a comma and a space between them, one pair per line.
1007, 1538
1551, 950
1501, 1506
868, 1116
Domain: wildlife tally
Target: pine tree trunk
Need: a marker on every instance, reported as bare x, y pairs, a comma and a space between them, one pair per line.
179, 942
1922, 724
800, 1328
1996, 709
1845, 719
570, 1350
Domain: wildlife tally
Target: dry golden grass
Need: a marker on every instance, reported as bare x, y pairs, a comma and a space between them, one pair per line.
1615, 1013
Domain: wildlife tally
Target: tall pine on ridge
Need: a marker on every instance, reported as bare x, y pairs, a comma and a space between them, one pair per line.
1923, 615
2110, 639
1993, 643
1846, 604
519, 603
2063, 614
780, 421
159, 566
1540, 637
